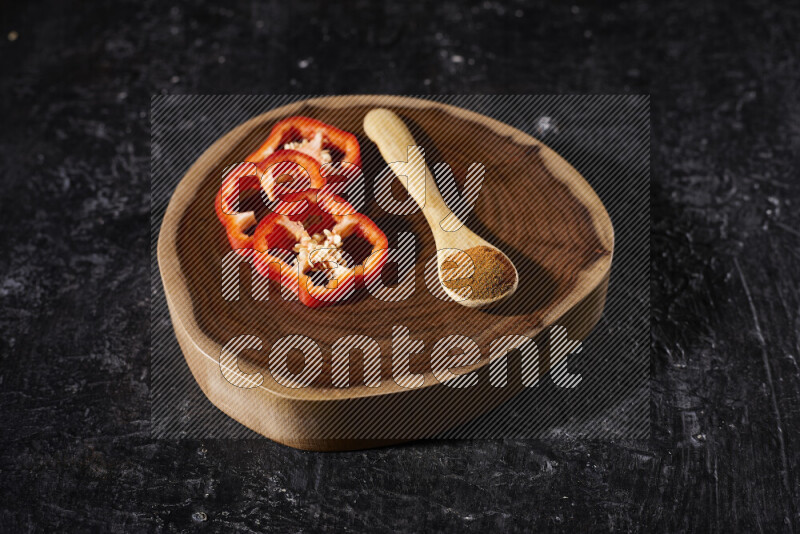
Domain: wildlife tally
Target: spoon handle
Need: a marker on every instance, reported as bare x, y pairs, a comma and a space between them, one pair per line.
390, 134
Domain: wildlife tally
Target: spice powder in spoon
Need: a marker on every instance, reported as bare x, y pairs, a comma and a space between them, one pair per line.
494, 274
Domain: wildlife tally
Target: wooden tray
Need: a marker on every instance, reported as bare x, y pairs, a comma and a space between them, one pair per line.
533, 205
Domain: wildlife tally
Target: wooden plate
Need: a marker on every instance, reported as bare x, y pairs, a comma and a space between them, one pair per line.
533, 205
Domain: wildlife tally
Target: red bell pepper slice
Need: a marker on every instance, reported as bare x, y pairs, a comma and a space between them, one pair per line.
314, 138
239, 179
295, 128
323, 213
302, 169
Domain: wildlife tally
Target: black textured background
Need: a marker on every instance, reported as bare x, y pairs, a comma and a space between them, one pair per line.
75, 88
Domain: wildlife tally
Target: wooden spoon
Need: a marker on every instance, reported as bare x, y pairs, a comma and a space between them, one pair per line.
389, 132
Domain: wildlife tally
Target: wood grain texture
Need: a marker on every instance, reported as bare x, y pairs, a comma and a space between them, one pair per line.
533, 206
